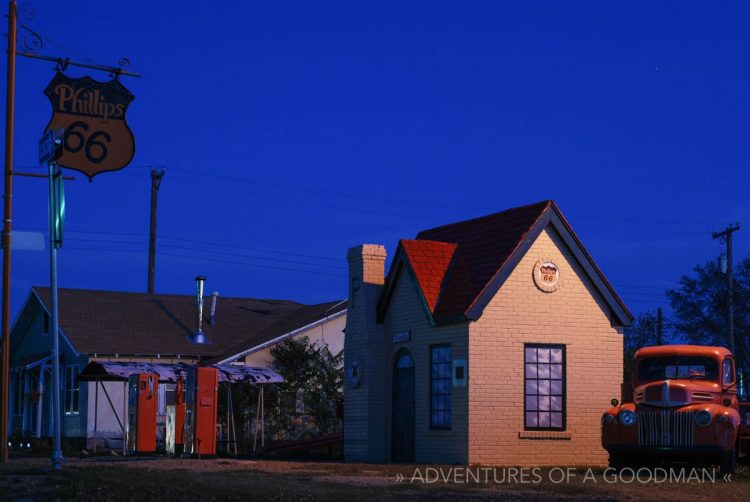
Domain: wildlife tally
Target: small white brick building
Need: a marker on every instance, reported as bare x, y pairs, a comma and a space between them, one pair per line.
495, 341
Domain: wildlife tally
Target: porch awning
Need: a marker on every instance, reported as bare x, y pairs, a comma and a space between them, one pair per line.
32, 361
236, 373
171, 372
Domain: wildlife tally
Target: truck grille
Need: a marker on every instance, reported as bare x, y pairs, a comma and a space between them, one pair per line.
665, 428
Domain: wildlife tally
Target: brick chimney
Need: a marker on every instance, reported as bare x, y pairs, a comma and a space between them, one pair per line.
364, 357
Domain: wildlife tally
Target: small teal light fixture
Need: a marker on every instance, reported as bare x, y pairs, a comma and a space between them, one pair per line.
199, 338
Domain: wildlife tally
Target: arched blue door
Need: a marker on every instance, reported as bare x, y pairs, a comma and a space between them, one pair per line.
402, 409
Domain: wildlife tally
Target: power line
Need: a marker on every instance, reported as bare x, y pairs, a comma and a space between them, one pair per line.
326, 191
644, 287
171, 246
360, 196
258, 266
199, 258
624, 289
342, 208
313, 191
195, 241
433, 218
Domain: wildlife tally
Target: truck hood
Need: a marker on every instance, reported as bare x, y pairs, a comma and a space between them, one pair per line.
671, 393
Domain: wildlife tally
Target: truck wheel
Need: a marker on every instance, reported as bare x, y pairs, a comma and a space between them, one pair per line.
726, 465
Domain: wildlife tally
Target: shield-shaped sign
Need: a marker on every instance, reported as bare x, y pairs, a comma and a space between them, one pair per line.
97, 139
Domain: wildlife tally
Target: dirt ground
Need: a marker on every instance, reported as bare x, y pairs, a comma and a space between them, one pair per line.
139, 478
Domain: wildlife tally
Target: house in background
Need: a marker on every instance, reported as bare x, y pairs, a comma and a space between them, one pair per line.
493, 341
137, 327
322, 324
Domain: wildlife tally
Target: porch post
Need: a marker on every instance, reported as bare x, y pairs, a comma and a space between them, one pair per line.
125, 418
262, 417
50, 408
230, 412
40, 402
25, 405
96, 409
257, 421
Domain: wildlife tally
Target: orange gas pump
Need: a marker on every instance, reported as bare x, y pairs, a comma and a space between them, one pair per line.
143, 401
200, 411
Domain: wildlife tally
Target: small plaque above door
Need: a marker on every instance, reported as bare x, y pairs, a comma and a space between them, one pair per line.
401, 336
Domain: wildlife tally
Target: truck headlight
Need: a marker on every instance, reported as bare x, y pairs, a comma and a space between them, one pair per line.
607, 419
627, 418
703, 418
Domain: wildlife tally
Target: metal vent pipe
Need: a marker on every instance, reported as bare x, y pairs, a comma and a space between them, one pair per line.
212, 312
198, 337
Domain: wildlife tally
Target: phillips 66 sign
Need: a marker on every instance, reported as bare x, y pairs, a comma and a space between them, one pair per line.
96, 138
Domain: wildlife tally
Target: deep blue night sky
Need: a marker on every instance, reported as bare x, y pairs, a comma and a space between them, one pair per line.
293, 130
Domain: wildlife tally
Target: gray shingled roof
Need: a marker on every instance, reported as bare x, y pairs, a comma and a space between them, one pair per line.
113, 322
297, 319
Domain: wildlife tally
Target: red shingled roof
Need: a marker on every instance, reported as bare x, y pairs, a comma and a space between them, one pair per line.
459, 267
484, 245
429, 260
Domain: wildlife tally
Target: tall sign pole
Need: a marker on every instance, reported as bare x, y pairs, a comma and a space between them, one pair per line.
7, 218
50, 150
56, 206
87, 132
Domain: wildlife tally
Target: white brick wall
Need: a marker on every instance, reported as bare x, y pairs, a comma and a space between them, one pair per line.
487, 416
407, 313
574, 316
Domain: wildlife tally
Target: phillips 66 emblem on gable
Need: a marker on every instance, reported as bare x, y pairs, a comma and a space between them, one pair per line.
546, 275
96, 139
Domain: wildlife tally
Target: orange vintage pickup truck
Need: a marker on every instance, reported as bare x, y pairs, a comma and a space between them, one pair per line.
684, 408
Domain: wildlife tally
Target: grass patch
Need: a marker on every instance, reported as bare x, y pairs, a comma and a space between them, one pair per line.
148, 479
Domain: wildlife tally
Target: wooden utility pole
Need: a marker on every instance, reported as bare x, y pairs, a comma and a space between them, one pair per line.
7, 219
726, 235
659, 326
156, 176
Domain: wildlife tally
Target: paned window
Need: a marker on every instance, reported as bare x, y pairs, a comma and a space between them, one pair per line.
544, 389
440, 386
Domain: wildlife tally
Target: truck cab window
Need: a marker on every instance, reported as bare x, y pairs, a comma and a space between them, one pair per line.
727, 372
